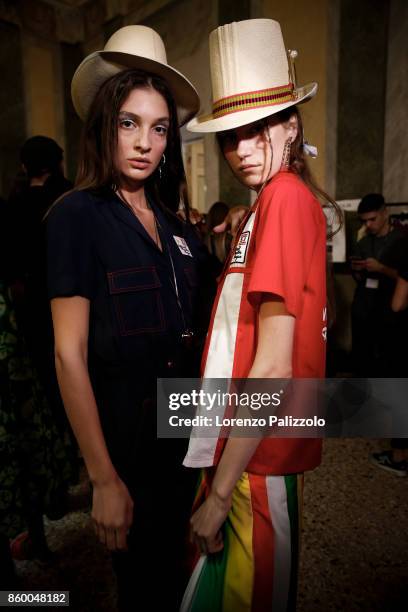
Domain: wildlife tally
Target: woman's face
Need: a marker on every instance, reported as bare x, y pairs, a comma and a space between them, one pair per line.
247, 149
143, 123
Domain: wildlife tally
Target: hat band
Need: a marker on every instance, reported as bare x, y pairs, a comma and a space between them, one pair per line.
253, 99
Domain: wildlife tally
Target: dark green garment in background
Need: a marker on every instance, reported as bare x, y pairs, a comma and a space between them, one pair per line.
36, 461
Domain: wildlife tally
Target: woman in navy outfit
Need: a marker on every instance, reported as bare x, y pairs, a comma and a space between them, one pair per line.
122, 276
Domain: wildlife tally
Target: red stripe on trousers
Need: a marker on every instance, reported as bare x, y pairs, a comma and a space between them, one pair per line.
262, 544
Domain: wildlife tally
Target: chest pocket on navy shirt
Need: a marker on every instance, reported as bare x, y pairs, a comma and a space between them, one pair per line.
137, 300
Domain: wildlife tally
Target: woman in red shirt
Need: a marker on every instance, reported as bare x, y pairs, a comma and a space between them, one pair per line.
268, 321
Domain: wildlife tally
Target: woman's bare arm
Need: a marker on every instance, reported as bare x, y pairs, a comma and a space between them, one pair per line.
112, 508
273, 359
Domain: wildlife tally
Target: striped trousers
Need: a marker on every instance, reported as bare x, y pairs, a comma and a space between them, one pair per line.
257, 569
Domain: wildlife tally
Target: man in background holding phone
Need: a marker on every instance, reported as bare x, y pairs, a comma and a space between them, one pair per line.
375, 328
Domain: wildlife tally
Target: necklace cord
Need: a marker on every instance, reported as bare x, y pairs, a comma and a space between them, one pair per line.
187, 333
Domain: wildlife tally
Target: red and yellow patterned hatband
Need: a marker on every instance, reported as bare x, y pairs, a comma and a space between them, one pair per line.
254, 99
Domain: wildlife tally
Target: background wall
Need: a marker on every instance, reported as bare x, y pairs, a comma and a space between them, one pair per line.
71, 56
12, 104
361, 103
311, 42
184, 27
395, 177
356, 51
42, 86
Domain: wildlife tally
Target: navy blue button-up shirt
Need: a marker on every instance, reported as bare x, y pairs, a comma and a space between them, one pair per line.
98, 249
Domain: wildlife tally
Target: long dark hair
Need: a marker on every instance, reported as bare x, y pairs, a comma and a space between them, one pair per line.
96, 168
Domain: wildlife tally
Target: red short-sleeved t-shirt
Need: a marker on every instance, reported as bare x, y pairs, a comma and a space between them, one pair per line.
281, 250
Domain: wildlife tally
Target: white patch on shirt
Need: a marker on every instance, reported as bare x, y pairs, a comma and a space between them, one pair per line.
241, 248
182, 245
324, 319
372, 283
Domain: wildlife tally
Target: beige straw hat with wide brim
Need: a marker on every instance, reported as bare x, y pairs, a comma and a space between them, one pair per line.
251, 76
138, 47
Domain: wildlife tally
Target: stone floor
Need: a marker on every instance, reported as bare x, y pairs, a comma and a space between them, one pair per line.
355, 541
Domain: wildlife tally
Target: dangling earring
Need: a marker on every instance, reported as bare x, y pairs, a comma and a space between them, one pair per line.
286, 155
114, 183
161, 166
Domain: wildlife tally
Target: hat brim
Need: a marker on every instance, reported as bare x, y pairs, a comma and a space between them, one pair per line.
207, 123
101, 65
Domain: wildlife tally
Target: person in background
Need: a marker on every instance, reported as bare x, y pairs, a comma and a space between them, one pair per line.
41, 183
395, 460
8, 579
399, 300
35, 465
376, 348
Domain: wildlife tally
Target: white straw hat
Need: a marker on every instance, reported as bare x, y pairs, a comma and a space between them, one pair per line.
138, 47
250, 74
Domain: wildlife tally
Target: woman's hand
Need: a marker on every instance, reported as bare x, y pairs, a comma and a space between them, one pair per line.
207, 521
112, 507
232, 221
112, 512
